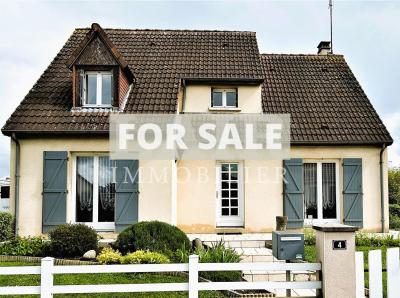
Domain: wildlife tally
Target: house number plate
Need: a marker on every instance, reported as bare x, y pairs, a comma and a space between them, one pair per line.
339, 244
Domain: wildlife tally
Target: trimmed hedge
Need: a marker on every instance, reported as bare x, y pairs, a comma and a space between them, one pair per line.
72, 240
154, 236
6, 226
35, 247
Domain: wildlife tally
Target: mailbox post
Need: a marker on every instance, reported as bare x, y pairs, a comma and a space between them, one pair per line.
336, 251
288, 246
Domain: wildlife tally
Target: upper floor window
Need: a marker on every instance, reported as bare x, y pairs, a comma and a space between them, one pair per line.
224, 98
98, 88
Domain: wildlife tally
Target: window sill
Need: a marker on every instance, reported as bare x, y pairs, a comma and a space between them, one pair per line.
95, 109
224, 109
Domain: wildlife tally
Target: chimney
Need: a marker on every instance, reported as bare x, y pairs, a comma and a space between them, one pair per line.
324, 48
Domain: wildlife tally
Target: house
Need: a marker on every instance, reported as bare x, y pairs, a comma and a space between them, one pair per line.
5, 194
61, 171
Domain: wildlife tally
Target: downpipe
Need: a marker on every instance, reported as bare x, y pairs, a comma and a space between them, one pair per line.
17, 175
382, 191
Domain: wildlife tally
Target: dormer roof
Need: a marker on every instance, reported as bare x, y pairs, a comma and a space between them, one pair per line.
97, 49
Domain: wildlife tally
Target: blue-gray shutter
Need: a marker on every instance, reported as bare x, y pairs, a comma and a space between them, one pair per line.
54, 189
127, 191
352, 192
293, 202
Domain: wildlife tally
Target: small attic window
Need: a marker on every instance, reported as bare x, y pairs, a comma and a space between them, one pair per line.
97, 88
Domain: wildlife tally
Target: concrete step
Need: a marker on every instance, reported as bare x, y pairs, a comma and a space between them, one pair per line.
239, 243
278, 276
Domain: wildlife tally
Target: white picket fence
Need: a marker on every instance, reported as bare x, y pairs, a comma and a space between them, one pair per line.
375, 273
47, 270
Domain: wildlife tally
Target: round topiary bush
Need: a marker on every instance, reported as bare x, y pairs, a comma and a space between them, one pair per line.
72, 240
153, 236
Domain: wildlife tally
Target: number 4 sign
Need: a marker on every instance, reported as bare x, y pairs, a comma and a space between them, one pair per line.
339, 244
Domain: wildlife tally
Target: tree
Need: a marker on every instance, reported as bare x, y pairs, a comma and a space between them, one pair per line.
394, 186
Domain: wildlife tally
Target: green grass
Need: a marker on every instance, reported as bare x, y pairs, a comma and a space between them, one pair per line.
310, 256
103, 278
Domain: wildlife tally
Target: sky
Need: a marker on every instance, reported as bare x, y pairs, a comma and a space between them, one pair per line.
366, 32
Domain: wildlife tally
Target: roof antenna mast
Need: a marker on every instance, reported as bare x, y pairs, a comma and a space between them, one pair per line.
330, 10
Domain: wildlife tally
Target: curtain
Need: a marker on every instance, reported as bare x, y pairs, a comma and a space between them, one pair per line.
310, 190
329, 190
106, 189
84, 189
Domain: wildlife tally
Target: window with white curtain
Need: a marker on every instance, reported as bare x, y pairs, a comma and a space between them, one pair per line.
95, 191
320, 191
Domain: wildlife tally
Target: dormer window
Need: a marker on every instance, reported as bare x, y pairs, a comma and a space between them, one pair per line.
97, 88
101, 78
224, 98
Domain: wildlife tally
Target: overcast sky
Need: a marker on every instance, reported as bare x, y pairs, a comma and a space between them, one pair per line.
366, 32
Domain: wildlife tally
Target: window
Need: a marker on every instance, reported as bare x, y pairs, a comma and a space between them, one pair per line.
320, 191
224, 98
5, 192
95, 191
97, 88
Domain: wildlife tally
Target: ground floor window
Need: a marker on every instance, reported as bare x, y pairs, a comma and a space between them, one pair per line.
320, 191
95, 191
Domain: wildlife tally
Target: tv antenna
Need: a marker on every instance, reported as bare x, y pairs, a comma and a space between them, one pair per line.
331, 18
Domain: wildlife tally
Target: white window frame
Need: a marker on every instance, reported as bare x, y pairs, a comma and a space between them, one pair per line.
99, 86
98, 226
320, 219
230, 221
224, 91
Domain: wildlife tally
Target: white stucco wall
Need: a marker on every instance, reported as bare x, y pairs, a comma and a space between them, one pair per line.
154, 197
197, 99
195, 202
263, 189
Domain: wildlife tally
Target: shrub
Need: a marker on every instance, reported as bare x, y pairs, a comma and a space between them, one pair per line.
394, 222
35, 246
394, 185
153, 236
6, 226
72, 240
109, 256
309, 237
144, 257
394, 209
218, 253
363, 239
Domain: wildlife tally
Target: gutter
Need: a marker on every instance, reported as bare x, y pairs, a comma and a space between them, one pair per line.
381, 184
17, 168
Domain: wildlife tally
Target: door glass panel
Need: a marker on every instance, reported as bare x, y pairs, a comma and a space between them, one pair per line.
106, 190
229, 189
84, 189
310, 190
329, 190
91, 88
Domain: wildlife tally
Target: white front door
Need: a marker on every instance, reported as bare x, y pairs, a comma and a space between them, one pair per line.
230, 211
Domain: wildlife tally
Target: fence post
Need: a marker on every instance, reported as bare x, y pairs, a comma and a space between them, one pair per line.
393, 272
193, 276
335, 245
46, 277
360, 287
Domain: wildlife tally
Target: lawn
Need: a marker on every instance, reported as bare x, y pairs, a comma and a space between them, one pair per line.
310, 256
104, 278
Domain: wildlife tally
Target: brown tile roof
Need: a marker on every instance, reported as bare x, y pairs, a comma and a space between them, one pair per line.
326, 103
324, 99
159, 59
